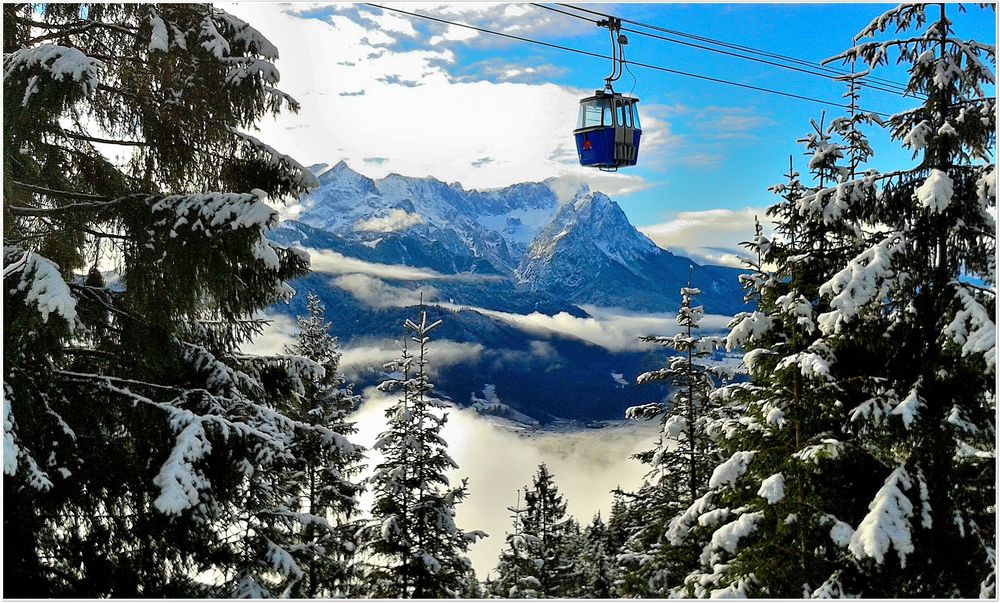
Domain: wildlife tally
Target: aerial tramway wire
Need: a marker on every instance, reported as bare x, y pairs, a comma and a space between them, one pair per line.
813, 70
832, 70
635, 63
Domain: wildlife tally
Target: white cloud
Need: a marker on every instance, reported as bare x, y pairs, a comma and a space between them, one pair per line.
712, 236
376, 293
275, 336
412, 111
586, 464
709, 134
397, 219
611, 328
364, 354
331, 262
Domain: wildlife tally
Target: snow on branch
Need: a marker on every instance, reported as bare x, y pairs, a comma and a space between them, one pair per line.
282, 561
214, 42
207, 211
828, 448
302, 177
901, 16
832, 588
747, 327
179, 480
772, 489
729, 535
972, 328
876, 408
241, 68
60, 62
12, 453
159, 38
251, 39
865, 279
887, 522
936, 192
728, 472
812, 363
910, 406
220, 377
680, 525
10, 448
831, 202
44, 285
986, 191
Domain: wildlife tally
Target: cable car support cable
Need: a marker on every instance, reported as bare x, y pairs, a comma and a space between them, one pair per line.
832, 70
816, 70
637, 64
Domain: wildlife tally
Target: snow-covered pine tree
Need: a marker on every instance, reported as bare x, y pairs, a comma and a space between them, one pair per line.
921, 295
682, 459
882, 380
327, 495
515, 579
298, 523
134, 260
417, 550
769, 519
542, 563
596, 562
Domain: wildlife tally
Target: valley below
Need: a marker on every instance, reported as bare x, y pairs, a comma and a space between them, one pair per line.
543, 289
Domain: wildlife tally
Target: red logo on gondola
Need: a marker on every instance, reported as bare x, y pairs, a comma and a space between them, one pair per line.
587, 145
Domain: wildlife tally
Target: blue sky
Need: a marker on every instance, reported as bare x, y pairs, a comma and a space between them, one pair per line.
485, 111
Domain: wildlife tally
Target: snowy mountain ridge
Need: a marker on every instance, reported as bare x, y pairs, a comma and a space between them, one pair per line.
570, 242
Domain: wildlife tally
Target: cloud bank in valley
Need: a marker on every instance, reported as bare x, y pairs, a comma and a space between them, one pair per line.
588, 464
711, 236
377, 293
372, 353
362, 354
331, 262
614, 329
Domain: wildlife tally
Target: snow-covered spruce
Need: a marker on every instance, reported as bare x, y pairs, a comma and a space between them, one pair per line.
762, 522
141, 446
416, 549
683, 458
921, 300
872, 375
542, 557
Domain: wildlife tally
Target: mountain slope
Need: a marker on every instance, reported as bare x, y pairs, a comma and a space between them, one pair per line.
590, 251
511, 272
582, 250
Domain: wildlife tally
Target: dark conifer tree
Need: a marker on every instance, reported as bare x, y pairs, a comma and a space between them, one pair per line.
135, 431
596, 562
516, 569
540, 562
682, 460
922, 296
326, 514
859, 463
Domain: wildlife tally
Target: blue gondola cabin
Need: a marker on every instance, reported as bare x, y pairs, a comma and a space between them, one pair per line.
608, 131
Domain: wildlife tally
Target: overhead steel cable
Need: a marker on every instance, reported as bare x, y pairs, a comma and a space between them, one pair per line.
817, 71
833, 70
635, 63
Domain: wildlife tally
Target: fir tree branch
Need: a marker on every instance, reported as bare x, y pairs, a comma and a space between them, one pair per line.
50, 192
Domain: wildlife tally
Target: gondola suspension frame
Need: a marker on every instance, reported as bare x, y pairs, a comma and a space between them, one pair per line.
608, 130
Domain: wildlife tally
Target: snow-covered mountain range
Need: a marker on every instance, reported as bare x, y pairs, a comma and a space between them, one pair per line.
494, 264
574, 244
